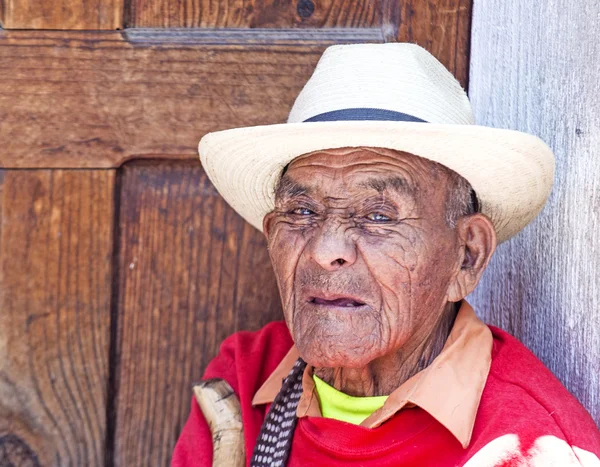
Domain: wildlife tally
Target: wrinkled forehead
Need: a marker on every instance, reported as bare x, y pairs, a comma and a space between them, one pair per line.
358, 170
341, 157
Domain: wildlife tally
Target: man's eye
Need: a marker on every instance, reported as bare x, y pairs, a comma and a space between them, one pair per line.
378, 217
302, 212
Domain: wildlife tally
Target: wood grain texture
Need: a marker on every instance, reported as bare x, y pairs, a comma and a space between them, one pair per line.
192, 272
55, 249
96, 100
255, 13
535, 68
76, 99
442, 27
61, 14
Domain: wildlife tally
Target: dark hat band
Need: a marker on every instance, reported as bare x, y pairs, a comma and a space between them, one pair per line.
364, 114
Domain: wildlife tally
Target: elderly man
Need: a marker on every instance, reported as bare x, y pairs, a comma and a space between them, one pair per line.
382, 205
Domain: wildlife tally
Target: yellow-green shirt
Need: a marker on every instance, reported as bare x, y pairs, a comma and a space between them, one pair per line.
339, 406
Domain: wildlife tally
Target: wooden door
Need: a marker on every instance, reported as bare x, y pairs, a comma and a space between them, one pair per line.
121, 268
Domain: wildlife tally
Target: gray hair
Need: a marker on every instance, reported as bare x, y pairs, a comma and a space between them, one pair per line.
461, 198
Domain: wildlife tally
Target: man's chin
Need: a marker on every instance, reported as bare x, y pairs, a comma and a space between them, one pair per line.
334, 355
328, 340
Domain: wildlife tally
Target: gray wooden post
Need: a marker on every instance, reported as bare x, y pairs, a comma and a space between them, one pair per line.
535, 67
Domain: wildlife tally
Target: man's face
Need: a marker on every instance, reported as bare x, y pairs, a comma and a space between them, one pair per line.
362, 253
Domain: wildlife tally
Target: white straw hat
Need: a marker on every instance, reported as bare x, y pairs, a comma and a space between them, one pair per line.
395, 96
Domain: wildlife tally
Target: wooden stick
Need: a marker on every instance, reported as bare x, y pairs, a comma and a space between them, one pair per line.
222, 411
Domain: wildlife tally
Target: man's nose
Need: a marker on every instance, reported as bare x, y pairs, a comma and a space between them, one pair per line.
331, 248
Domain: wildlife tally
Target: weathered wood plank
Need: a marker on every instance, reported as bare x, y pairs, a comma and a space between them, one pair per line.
192, 272
55, 256
61, 14
95, 100
251, 37
255, 13
530, 72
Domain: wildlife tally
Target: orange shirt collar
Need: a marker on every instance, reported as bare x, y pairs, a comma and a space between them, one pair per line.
449, 389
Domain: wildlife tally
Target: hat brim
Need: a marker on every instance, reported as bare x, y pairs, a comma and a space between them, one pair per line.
511, 172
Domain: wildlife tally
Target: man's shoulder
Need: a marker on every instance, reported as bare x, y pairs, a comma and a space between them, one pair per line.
247, 358
274, 337
514, 365
523, 392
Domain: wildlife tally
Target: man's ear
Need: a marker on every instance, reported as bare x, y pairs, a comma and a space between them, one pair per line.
267, 224
477, 237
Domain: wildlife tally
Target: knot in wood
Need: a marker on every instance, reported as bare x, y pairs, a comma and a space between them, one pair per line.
305, 8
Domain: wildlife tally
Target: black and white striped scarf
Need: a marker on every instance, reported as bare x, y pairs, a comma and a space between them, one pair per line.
277, 432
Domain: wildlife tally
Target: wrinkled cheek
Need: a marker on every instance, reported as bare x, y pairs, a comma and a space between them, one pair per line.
397, 317
392, 263
285, 249
400, 296
395, 280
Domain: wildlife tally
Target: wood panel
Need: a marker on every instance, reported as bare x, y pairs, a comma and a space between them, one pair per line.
55, 256
443, 27
61, 14
96, 99
538, 72
192, 272
255, 13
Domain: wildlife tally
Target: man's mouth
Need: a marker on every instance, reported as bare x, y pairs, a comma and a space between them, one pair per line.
346, 302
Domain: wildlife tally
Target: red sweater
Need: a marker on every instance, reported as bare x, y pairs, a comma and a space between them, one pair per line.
526, 417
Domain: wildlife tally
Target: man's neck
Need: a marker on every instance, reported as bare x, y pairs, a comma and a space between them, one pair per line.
383, 375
